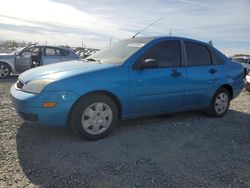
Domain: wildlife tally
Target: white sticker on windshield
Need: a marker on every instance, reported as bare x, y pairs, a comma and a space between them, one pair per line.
137, 45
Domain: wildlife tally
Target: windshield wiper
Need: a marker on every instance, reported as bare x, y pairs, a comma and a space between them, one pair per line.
94, 60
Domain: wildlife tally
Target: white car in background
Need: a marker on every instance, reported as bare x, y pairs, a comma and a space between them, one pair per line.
247, 84
245, 61
33, 56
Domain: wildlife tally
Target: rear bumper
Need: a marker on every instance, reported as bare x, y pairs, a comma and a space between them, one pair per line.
238, 89
29, 106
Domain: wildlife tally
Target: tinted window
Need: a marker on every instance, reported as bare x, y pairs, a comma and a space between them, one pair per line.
197, 54
167, 53
217, 59
64, 52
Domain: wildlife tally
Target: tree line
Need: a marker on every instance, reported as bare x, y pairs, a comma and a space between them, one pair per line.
14, 44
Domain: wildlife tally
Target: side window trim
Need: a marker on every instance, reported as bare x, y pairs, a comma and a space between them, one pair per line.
184, 54
208, 49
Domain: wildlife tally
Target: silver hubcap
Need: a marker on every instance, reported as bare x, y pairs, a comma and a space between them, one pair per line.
4, 71
221, 103
97, 118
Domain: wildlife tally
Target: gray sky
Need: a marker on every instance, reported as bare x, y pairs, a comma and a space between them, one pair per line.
226, 22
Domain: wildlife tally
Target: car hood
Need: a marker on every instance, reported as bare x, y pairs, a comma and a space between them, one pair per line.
3, 55
62, 70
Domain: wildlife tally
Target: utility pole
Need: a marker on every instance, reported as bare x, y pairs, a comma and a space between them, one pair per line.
110, 41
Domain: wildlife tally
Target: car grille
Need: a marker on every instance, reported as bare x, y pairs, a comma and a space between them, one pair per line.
19, 84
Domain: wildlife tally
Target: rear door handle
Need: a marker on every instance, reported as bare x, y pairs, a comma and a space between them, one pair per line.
175, 73
212, 71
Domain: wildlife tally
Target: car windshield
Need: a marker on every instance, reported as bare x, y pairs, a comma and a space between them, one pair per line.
118, 52
20, 49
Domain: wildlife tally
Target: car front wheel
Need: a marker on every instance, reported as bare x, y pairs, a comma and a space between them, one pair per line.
219, 103
4, 71
94, 116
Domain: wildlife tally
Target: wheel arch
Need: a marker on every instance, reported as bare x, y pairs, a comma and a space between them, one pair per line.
101, 92
229, 88
7, 65
109, 94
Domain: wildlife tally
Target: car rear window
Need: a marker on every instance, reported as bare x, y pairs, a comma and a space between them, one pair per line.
197, 55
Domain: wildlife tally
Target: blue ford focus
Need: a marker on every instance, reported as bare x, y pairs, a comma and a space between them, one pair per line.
132, 78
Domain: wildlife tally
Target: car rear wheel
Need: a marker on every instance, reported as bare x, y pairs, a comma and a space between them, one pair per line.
94, 116
219, 103
4, 70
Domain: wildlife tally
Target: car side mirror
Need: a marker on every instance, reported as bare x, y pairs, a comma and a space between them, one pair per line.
149, 64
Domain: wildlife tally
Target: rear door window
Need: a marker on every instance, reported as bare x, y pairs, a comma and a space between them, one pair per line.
197, 55
50, 51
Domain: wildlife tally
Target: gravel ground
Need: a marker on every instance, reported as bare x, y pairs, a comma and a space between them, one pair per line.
182, 150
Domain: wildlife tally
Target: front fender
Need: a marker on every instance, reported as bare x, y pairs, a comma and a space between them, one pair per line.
119, 91
10, 62
114, 81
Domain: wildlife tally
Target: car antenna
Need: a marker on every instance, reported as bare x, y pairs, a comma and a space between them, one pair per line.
148, 26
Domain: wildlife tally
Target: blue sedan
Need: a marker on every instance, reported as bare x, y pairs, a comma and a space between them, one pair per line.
132, 78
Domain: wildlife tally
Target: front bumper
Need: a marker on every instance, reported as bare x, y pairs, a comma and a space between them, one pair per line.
29, 106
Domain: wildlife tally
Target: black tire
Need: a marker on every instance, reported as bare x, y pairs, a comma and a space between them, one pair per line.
6, 68
79, 108
211, 111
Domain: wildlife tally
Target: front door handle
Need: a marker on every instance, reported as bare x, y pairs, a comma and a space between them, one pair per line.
175, 73
212, 71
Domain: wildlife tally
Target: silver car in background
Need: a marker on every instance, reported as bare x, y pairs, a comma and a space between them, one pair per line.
245, 61
33, 56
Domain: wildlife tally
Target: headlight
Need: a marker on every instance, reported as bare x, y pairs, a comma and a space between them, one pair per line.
36, 86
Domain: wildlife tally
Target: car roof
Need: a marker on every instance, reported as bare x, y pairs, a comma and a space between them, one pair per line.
167, 38
68, 49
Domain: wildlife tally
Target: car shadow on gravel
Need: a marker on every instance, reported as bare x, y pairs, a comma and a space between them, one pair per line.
186, 149
11, 79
